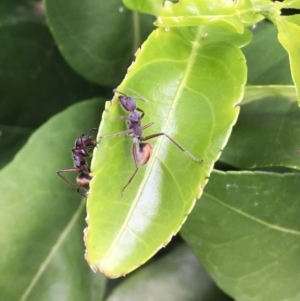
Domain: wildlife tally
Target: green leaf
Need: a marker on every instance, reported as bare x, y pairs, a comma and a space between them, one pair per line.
15, 11
291, 4
35, 83
253, 93
267, 61
247, 12
150, 7
266, 134
192, 94
194, 13
245, 231
41, 218
289, 37
97, 38
175, 277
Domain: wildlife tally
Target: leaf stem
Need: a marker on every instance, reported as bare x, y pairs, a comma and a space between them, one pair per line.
136, 30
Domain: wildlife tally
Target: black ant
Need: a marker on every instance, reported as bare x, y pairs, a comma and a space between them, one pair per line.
84, 145
141, 151
128, 104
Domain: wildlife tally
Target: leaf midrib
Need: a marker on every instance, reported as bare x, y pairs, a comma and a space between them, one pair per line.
255, 219
190, 63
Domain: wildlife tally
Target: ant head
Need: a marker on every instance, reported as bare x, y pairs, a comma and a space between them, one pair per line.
127, 103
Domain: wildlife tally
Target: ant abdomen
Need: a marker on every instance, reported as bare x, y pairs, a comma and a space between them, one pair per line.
143, 153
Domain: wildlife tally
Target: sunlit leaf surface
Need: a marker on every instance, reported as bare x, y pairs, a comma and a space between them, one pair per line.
192, 13
146, 6
245, 230
192, 93
291, 4
289, 37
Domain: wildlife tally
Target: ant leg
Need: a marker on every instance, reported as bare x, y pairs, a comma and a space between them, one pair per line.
135, 157
68, 170
127, 132
147, 125
176, 143
84, 194
141, 111
89, 131
123, 133
141, 154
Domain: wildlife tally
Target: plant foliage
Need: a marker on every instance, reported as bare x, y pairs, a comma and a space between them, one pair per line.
222, 79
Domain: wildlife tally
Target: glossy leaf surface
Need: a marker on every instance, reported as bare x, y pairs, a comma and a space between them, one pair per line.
35, 83
268, 139
191, 95
289, 37
253, 93
291, 4
247, 12
150, 7
42, 218
246, 233
193, 13
97, 38
175, 277
267, 61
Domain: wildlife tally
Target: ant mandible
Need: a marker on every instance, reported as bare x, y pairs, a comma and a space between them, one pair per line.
83, 148
141, 151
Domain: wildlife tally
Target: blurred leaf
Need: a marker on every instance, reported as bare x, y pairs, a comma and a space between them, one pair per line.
38, 213
214, 35
35, 83
11, 140
175, 277
150, 7
194, 13
267, 61
13, 11
253, 93
192, 94
97, 38
266, 134
289, 37
247, 12
291, 4
245, 231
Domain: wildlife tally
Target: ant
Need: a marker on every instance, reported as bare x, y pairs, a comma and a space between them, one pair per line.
141, 151
129, 105
84, 145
